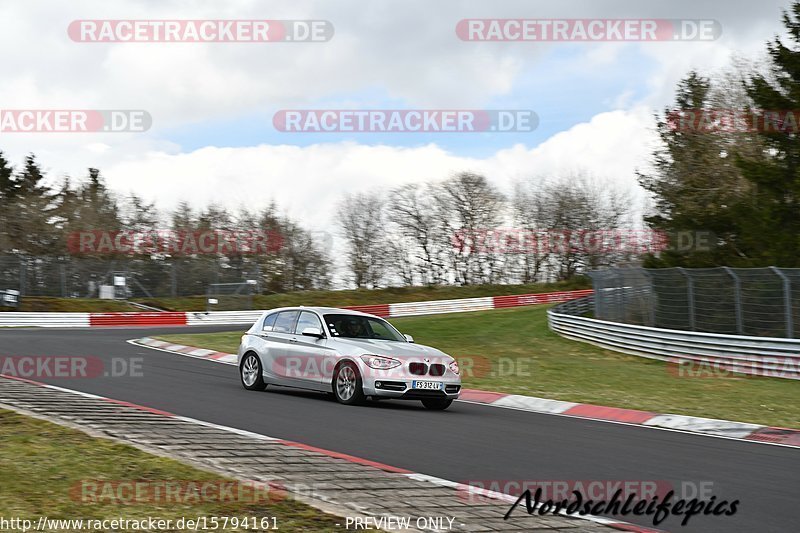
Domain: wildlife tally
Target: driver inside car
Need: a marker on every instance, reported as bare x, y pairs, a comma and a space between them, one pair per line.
353, 328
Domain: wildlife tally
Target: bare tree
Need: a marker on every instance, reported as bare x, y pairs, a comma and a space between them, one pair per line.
411, 213
587, 221
533, 221
361, 219
470, 208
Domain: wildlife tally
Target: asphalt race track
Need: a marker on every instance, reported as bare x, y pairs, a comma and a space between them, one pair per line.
467, 442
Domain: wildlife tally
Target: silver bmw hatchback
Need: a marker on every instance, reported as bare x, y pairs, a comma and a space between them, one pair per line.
350, 355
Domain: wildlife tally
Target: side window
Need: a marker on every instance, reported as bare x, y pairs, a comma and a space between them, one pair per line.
285, 322
269, 322
380, 331
307, 320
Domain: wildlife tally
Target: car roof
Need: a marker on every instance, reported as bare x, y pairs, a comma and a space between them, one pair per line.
320, 310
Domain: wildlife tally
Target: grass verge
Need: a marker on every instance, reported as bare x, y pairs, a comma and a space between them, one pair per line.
42, 462
47, 304
513, 351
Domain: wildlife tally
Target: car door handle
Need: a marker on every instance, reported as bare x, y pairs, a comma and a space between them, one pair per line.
293, 340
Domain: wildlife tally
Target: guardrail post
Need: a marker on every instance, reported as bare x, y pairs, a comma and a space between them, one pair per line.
689, 296
737, 299
787, 301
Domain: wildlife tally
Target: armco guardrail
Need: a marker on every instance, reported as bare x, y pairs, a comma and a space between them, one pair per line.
409, 308
441, 306
50, 320
138, 319
248, 317
223, 317
767, 356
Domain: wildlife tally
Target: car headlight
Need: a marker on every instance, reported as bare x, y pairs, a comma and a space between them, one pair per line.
380, 363
453, 367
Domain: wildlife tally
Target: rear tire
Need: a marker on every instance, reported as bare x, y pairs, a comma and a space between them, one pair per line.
436, 404
347, 386
250, 372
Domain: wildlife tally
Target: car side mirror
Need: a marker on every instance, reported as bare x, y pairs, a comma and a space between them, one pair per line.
313, 332
409, 338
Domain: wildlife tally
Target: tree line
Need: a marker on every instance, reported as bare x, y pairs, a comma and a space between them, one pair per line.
462, 230
465, 231
39, 220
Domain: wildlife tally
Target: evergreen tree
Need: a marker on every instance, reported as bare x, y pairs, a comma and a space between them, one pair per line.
771, 217
697, 188
8, 189
30, 225
8, 185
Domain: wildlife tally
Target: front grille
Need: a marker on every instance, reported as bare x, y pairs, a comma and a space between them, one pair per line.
436, 370
418, 369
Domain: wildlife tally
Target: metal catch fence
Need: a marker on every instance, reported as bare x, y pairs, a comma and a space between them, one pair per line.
761, 302
67, 277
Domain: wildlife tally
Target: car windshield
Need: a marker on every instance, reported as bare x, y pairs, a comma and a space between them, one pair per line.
362, 327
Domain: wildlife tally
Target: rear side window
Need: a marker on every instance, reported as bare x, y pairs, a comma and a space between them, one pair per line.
269, 322
307, 320
285, 322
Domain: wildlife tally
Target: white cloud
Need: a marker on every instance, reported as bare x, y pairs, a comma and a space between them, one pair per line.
307, 181
406, 50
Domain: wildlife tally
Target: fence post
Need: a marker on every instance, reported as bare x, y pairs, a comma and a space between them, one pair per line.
173, 280
619, 295
62, 270
651, 298
737, 299
596, 278
22, 266
689, 296
787, 301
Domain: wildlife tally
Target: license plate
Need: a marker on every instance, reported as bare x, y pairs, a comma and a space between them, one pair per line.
426, 385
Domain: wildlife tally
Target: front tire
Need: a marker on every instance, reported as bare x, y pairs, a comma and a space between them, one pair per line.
436, 404
347, 386
250, 372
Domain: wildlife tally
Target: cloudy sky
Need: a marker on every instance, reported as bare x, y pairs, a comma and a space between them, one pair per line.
212, 104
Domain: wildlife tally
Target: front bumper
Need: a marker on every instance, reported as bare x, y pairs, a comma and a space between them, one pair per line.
401, 387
